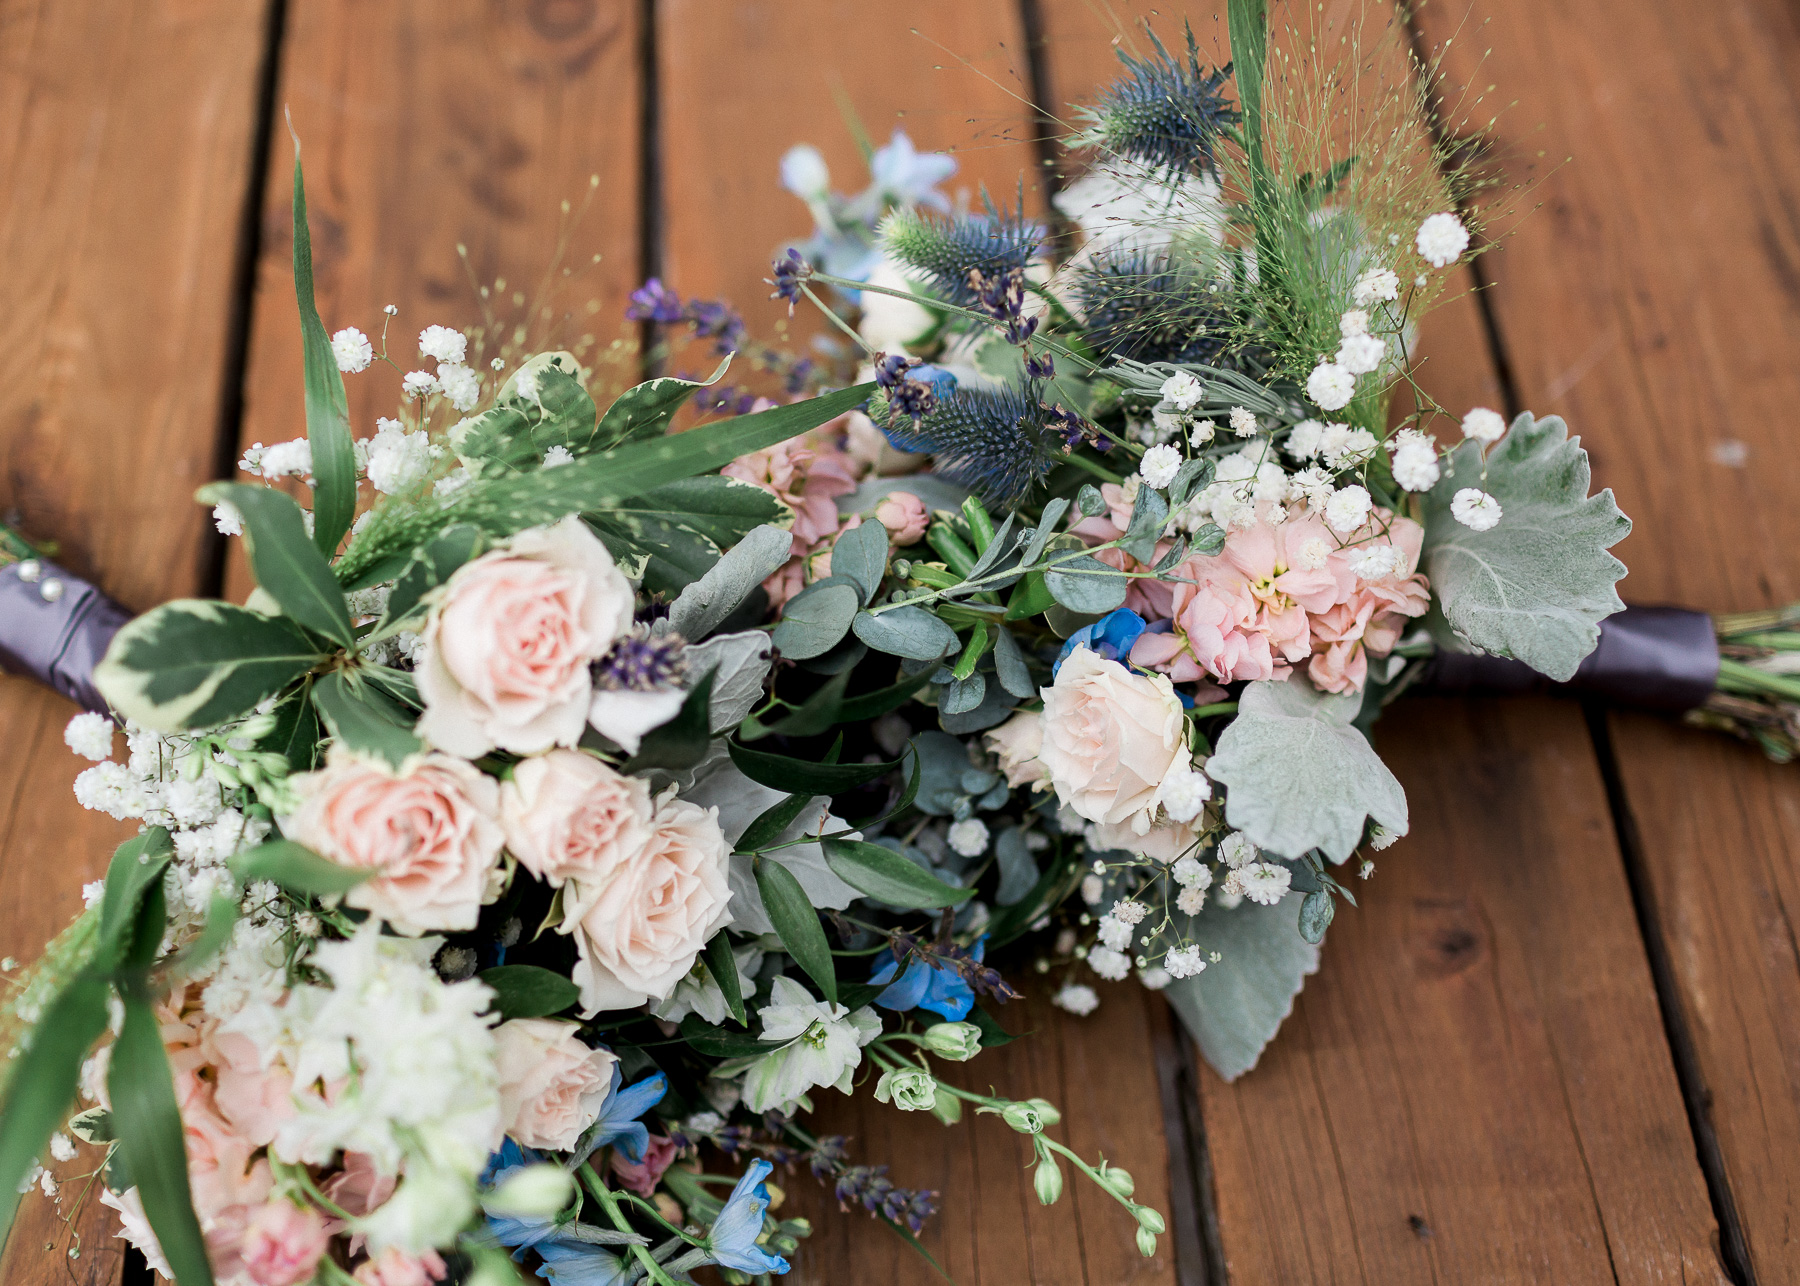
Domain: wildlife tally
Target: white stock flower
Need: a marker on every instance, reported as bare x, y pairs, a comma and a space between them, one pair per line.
1442, 239
442, 344
90, 735
1484, 425
822, 1046
1183, 390
1475, 509
1330, 386
352, 350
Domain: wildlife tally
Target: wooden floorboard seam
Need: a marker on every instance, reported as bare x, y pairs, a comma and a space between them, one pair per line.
650, 178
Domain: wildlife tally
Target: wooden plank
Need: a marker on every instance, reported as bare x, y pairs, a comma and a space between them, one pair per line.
1460, 1060
432, 125
1653, 301
725, 214
125, 147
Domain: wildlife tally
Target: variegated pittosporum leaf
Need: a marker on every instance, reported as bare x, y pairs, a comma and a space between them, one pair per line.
645, 411
1298, 776
1536, 586
195, 663
1235, 1006
681, 528
515, 435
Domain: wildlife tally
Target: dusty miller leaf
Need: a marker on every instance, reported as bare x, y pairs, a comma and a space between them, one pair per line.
1234, 1008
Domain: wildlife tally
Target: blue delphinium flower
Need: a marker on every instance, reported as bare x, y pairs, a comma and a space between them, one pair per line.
519, 1234
618, 1123
577, 1263
1111, 636
927, 984
740, 1223
906, 176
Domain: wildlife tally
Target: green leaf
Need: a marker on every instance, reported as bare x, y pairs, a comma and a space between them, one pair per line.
703, 606
296, 869
1019, 872
195, 663
284, 561
993, 1035
646, 410
963, 695
797, 776
431, 565
327, 411
682, 742
816, 618
295, 736
884, 875
796, 923
910, 632
1194, 475
1536, 586
818, 713
1089, 501
42, 1084
514, 435
151, 1139
1299, 776
1235, 1007
862, 554
1086, 585
1247, 23
1010, 667
1002, 544
681, 528
364, 719
872, 705
1316, 910
721, 963
527, 991
722, 1042
1176, 552
768, 825
739, 663
221, 919
1208, 539
137, 866
1148, 518
1046, 528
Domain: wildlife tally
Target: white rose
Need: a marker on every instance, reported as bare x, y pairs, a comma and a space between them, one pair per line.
551, 1085
1110, 739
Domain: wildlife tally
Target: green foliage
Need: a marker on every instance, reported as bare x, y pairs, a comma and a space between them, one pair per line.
1234, 1008
682, 742
1299, 776
285, 563
783, 773
431, 565
646, 410
817, 618
1086, 585
327, 410
703, 605
296, 869
196, 663
527, 991
364, 719
722, 965
861, 554
514, 435
910, 632
796, 923
1537, 586
678, 530
41, 1088
886, 876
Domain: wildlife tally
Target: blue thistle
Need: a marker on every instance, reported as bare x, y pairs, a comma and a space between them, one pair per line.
947, 250
1000, 441
1143, 307
1164, 113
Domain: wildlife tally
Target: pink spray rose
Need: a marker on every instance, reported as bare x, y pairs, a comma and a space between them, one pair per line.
568, 816
508, 645
1110, 739
282, 1243
429, 831
1016, 744
643, 1176
905, 517
641, 929
551, 1085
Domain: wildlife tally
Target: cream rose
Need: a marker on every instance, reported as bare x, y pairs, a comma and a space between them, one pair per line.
508, 645
429, 832
551, 1085
567, 816
1016, 744
642, 928
1161, 843
1110, 739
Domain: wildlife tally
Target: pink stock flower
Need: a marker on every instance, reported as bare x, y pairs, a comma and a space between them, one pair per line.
394, 1267
807, 474
282, 1243
360, 1187
643, 1176
254, 1099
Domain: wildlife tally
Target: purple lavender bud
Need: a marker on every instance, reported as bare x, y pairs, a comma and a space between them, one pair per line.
1039, 366
790, 271
655, 302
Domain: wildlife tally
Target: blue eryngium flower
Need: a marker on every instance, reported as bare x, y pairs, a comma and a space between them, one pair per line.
619, 1124
734, 1232
999, 441
576, 1263
927, 984
1111, 636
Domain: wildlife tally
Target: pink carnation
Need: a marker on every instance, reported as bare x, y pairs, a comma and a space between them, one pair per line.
282, 1243
643, 1176
394, 1267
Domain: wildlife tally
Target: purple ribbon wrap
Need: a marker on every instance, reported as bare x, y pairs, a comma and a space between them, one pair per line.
58, 639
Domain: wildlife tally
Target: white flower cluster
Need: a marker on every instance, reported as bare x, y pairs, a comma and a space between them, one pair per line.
1415, 463
395, 460
1250, 486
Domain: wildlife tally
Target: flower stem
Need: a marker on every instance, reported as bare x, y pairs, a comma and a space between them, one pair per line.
610, 1203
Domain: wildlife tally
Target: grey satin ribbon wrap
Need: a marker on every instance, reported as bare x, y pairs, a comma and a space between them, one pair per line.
60, 642
1664, 659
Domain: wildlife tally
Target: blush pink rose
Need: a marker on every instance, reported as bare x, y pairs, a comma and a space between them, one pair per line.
1016, 744
643, 1176
1110, 739
282, 1243
567, 816
429, 831
642, 928
394, 1267
1161, 843
361, 1186
551, 1085
905, 517
508, 645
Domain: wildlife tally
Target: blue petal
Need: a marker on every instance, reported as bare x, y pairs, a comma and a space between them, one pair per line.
909, 990
950, 996
1111, 636
579, 1264
619, 1125
734, 1232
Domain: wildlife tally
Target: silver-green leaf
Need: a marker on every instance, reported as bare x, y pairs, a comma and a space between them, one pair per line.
861, 554
816, 618
1234, 1008
698, 609
1536, 586
910, 632
1298, 776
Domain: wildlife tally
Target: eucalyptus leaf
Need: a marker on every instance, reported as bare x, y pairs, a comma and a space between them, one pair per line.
1316, 910
195, 663
284, 561
1001, 545
861, 554
995, 707
1536, 586
816, 618
1194, 475
1299, 776
1235, 1006
1089, 501
963, 695
700, 608
1086, 585
1018, 870
1148, 518
1208, 539
1176, 552
907, 631
1046, 528
1010, 667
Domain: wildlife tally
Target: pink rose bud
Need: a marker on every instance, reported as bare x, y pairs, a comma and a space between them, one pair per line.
283, 1243
905, 517
643, 1176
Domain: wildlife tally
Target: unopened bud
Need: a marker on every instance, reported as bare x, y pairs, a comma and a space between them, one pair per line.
947, 1108
1119, 1180
1149, 1220
532, 1192
958, 1042
1023, 1117
1048, 1181
1046, 1110
1146, 1242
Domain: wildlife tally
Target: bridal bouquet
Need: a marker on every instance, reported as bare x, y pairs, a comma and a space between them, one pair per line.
576, 800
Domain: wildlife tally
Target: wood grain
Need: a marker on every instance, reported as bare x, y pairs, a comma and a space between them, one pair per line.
431, 125
125, 147
1654, 301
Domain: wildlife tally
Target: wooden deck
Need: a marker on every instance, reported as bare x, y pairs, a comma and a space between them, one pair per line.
1559, 1042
